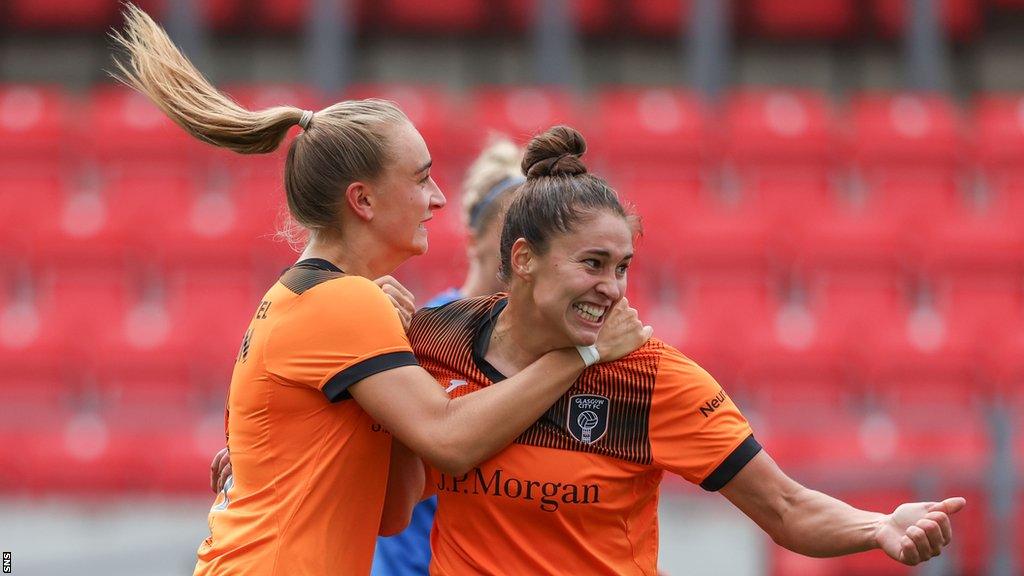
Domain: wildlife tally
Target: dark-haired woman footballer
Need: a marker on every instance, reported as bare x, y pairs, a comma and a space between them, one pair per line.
325, 374
489, 183
577, 493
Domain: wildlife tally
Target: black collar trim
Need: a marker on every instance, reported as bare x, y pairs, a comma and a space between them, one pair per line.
318, 264
482, 340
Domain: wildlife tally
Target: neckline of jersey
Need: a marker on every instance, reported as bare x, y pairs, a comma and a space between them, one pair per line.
482, 339
319, 264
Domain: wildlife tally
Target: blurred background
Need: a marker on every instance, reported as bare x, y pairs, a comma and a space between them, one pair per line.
832, 191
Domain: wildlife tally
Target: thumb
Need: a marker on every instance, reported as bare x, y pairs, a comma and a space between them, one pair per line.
949, 505
647, 332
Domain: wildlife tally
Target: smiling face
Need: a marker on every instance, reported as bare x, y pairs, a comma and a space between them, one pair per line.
405, 195
579, 278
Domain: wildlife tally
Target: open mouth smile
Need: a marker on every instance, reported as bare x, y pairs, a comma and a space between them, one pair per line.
589, 312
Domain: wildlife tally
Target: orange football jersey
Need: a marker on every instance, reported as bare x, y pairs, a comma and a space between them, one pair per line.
577, 493
309, 466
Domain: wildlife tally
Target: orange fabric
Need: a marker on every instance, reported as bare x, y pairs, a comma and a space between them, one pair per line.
559, 502
309, 475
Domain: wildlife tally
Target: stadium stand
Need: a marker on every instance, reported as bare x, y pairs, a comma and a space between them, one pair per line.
850, 268
811, 258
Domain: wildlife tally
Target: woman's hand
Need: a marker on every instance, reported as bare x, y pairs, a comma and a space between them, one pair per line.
622, 332
220, 470
401, 298
916, 532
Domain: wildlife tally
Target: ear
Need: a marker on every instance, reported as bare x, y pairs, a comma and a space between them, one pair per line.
472, 246
523, 259
359, 199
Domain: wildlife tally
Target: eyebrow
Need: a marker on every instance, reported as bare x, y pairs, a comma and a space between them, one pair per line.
605, 254
425, 166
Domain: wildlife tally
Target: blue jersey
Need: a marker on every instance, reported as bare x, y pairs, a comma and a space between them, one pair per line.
408, 553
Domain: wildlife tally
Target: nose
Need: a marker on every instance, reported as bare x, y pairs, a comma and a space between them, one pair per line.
612, 287
437, 199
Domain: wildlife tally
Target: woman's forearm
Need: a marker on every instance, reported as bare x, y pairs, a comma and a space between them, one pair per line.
405, 486
453, 435
531, 391
816, 524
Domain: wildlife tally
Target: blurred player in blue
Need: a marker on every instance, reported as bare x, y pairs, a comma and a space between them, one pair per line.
487, 187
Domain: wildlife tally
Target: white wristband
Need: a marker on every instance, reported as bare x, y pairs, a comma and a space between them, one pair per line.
589, 354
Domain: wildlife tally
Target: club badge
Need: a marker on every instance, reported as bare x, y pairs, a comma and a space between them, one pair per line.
588, 417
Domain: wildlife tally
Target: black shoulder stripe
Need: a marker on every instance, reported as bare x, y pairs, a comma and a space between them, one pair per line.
336, 389
299, 279
731, 466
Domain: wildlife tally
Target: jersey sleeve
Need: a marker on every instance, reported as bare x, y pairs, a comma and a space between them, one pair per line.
696, 430
336, 334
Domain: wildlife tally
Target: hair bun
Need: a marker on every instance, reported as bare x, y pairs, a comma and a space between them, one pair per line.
556, 152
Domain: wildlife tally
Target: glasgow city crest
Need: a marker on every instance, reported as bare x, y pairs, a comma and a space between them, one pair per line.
588, 417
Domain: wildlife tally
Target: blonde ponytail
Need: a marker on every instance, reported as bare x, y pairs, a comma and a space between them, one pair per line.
343, 143
159, 70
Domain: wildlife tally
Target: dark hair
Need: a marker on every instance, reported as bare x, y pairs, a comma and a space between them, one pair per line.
557, 194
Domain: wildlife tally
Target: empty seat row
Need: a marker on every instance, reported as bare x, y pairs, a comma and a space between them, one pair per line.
872, 328
173, 220
962, 19
149, 434
629, 130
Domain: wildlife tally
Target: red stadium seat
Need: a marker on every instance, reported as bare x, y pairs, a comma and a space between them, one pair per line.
797, 395
981, 238
34, 135
985, 309
442, 18
29, 202
94, 452
433, 111
720, 315
33, 400
821, 332
785, 20
650, 133
714, 232
1006, 365
804, 449
926, 354
232, 224
779, 133
790, 198
660, 197
659, 17
124, 129
906, 135
55, 321
212, 314
850, 233
141, 334
111, 224
178, 330
522, 112
998, 121
64, 15
590, 16
961, 18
